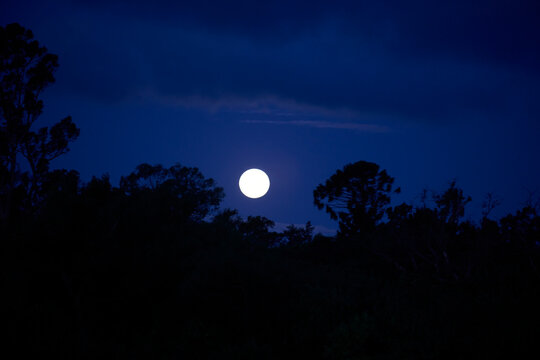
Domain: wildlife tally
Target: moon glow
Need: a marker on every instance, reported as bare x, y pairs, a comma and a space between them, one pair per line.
254, 183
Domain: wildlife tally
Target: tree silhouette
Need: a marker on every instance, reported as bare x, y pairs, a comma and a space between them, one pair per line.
26, 68
451, 204
357, 196
489, 203
256, 229
179, 191
296, 236
523, 228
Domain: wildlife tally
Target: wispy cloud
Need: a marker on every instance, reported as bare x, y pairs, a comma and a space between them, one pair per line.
324, 125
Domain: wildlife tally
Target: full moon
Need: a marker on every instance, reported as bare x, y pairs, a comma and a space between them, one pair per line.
254, 183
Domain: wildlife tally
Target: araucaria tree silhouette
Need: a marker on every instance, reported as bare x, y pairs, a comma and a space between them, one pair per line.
357, 196
26, 68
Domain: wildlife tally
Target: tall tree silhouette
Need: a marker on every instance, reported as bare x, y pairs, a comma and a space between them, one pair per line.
356, 196
26, 68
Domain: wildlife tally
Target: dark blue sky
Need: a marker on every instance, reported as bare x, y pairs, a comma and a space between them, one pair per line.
430, 91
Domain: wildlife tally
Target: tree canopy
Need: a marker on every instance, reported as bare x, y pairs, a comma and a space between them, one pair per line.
356, 196
26, 69
178, 191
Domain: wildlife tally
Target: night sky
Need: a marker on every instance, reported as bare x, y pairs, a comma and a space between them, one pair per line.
430, 91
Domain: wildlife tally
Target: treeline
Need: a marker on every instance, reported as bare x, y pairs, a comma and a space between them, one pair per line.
154, 268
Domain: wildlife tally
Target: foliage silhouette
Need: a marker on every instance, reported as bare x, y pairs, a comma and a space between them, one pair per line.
26, 68
179, 191
126, 274
451, 204
357, 196
297, 236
